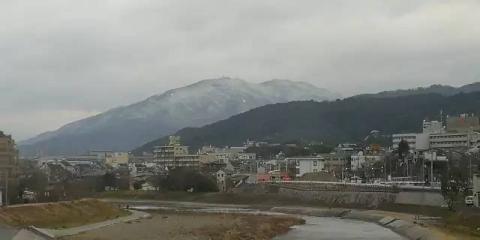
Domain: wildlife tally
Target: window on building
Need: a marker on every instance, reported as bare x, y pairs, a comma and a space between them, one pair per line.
314, 163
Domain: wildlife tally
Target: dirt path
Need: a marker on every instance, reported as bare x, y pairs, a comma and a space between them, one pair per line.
183, 226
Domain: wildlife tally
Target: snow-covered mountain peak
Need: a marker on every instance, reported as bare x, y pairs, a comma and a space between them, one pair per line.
201, 103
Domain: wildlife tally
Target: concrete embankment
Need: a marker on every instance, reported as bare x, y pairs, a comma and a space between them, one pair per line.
402, 227
350, 197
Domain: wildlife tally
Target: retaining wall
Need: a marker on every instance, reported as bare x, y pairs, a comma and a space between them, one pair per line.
358, 198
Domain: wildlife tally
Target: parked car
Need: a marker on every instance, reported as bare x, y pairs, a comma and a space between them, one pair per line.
29, 196
469, 200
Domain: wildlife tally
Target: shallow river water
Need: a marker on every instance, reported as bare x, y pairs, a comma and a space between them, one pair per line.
319, 228
315, 228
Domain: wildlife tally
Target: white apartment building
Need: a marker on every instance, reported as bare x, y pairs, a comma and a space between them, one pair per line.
416, 141
175, 155
307, 164
419, 141
434, 136
454, 140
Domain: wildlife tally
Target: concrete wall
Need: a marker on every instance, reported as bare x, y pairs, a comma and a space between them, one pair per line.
420, 198
364, 199
349, 198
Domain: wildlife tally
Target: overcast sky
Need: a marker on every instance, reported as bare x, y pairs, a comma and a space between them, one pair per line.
65, 60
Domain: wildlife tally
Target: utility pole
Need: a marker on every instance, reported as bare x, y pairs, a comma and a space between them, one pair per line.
5, 188
385, 167
390, 167
423, 170
431, 166
407, 167
470, 180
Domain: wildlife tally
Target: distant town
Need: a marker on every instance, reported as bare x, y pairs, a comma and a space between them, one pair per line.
410, 161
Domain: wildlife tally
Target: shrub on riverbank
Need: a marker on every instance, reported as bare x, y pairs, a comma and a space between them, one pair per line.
183, 179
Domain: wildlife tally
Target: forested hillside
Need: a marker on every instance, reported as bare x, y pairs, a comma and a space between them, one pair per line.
350, 119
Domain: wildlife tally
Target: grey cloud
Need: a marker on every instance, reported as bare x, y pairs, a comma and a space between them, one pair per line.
81, 57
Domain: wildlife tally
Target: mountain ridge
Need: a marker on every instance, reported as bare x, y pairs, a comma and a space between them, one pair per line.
350, 119
197, 104
445, 90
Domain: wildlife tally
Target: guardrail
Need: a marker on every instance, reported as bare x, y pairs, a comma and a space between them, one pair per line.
349, 187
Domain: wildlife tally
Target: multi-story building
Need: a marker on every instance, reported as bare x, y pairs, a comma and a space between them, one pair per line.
307, 164
459, 134
175, 155
411, 138
416, 141
454, 140
432, 127
419, 141
463, 123
8, 158
224, 155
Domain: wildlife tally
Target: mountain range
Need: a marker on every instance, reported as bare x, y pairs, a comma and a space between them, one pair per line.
204, 103
207, 101
350, 119
444, 90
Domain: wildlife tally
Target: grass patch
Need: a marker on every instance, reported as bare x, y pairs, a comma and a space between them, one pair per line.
61, 215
